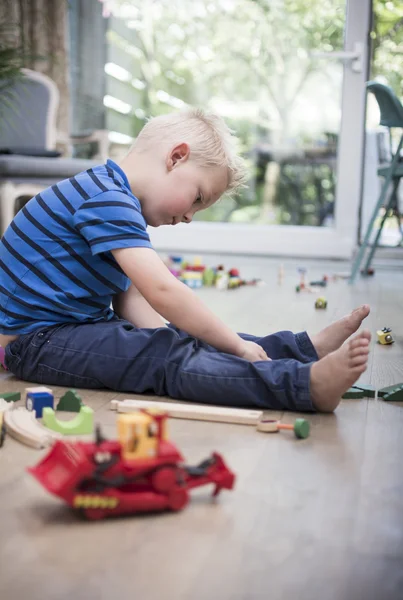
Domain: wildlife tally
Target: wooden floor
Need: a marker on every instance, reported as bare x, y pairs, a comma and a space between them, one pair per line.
319, 519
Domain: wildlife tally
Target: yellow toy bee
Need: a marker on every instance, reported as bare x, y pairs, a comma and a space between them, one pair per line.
385, 336
321, 302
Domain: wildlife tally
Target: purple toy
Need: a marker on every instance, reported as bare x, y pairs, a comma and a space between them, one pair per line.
2, 358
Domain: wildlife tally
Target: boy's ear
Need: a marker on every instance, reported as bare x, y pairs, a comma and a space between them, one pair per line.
177, 155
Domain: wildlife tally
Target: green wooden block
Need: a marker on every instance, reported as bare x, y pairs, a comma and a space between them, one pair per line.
369, 390
301, 428
353, 394
11, 396
70, 402
80, 424
387, 390
395, 395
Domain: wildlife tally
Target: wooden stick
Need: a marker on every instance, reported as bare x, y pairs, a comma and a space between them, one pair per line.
198, 412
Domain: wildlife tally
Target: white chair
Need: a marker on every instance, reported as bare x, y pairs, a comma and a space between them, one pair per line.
28, 159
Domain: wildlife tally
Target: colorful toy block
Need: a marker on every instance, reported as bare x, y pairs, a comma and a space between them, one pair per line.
11, 396
81, 424
37, 401
192, 279
70, 402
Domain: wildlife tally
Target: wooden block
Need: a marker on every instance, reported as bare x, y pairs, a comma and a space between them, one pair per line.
395, 395
4, 405
369, 390
387, 390
353, 394
39, 389
22, 425
11, 396
198, 412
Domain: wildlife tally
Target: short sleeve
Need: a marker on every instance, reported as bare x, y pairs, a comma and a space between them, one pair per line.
111, 220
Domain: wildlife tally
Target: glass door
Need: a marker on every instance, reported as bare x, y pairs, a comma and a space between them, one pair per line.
289, 77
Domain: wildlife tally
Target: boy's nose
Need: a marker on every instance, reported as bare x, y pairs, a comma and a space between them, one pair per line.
187, 218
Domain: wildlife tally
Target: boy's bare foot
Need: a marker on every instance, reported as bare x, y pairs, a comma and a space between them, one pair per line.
338, 371
332, 337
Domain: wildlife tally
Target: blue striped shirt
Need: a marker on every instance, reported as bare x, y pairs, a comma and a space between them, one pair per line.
56, 264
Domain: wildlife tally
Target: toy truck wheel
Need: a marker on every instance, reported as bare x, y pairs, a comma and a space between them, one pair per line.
164, 479
178, 499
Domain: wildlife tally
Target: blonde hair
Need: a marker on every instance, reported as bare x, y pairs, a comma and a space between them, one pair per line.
211, 141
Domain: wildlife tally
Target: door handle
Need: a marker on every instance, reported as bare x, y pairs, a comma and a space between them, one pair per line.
356, 56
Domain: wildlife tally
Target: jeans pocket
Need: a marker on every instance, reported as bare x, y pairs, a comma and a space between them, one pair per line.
50, 376
44, 334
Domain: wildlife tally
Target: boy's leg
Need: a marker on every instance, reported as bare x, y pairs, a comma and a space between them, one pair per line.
302, 347
283, 344
118, 356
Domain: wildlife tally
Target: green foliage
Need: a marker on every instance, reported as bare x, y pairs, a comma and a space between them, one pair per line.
387, 36
11, 57
252, 61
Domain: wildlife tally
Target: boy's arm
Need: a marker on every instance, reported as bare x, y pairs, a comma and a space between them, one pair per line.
178, 304
133, 307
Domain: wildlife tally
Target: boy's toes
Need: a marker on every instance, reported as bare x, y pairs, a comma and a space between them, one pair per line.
366, 335
359, 349
360, 359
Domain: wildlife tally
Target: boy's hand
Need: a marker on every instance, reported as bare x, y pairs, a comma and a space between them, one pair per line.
253, 352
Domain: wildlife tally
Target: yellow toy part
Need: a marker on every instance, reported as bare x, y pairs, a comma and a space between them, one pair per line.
321, 302
385, 336
138, 434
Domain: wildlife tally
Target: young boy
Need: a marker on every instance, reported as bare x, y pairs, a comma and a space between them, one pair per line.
82, 244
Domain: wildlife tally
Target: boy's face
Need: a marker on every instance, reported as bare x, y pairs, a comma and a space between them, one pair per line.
182, 189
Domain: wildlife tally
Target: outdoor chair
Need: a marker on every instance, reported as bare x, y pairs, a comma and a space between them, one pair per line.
391, 115
29, 161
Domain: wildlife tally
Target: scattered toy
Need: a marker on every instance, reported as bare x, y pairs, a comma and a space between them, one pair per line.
368, 390
81, 424
320, 283
369, 272
22, 425
321, 302
385, 336
2, 430
11, 396
141, 471
70, 402
196, 275
3, 358
38, 400
353, 394
392, 393
300, 427
201, 412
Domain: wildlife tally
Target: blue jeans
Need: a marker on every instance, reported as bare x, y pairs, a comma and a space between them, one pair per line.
166, 361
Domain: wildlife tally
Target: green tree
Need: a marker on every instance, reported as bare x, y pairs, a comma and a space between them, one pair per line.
387, 43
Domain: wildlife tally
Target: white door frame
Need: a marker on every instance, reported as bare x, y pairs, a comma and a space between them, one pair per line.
327, 242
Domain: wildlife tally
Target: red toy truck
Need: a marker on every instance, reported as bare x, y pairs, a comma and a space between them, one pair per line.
140, 472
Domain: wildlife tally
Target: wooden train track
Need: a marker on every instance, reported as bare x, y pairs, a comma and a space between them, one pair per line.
198, 412
22, 425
